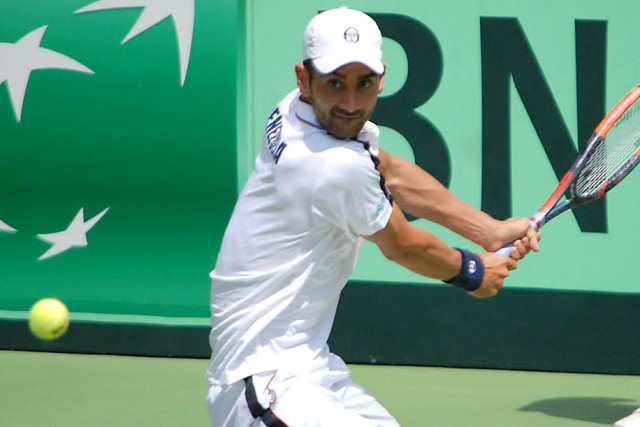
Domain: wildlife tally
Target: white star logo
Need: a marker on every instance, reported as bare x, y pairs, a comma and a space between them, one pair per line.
6, 227
74, 236
18, 60
182, 13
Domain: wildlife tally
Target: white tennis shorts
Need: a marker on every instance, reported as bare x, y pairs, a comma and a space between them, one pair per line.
325, 398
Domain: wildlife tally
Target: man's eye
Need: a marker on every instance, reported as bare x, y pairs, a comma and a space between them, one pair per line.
334, 84
365, 84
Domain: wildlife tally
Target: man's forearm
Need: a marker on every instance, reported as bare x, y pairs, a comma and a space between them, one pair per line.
421, 195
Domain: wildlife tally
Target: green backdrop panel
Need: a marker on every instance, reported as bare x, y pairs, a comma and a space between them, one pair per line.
379, 323
125, 139
117, 132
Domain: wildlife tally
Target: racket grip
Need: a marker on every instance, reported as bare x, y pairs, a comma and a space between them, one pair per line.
506, 249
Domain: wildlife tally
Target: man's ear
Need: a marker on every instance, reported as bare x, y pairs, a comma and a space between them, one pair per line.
302, 78
381, 86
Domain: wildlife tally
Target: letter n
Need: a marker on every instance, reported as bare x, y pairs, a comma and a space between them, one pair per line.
507, 56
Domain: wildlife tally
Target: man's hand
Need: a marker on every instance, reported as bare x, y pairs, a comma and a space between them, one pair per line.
496, 269
517, 231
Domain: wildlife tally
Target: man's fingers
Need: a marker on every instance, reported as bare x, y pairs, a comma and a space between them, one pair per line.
534, 239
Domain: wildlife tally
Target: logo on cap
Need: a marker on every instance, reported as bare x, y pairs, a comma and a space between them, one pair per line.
351, 35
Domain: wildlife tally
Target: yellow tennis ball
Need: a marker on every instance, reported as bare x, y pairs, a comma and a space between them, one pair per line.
48, 319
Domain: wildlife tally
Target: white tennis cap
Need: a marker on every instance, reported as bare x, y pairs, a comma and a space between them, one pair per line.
343, 36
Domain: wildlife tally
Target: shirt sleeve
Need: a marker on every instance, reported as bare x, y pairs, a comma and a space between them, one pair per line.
351, 193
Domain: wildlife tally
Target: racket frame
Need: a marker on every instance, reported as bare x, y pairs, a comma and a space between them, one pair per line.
552, 207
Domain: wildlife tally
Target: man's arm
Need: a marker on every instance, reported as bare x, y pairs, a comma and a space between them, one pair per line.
424, 253
420, 194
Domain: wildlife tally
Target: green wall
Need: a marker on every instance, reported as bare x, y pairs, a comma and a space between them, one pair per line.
132, 137
152, 138
404, 324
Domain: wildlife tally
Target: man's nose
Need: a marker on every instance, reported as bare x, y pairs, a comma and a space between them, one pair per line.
349, 101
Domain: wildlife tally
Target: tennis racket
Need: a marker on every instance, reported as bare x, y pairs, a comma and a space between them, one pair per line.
611, 153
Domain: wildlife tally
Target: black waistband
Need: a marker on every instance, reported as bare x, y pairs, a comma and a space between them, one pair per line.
256, 409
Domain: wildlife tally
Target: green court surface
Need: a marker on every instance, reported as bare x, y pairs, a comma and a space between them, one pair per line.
72, 390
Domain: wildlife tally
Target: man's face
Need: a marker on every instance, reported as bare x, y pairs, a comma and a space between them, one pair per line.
343, 100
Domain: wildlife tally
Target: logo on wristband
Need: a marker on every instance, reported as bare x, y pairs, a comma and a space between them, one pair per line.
472, 267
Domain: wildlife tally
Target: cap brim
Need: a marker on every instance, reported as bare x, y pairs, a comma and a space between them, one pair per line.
329, 63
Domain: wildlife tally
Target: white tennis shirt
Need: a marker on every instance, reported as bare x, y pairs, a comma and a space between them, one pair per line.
291, 245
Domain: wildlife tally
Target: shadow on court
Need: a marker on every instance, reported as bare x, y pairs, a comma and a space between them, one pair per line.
601, 410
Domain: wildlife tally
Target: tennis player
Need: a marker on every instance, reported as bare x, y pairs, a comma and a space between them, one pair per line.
321, 185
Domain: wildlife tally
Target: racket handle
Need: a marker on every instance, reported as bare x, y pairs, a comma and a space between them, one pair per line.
506, 249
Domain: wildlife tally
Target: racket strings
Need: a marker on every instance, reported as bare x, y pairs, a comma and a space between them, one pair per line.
594, 172
612, 154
